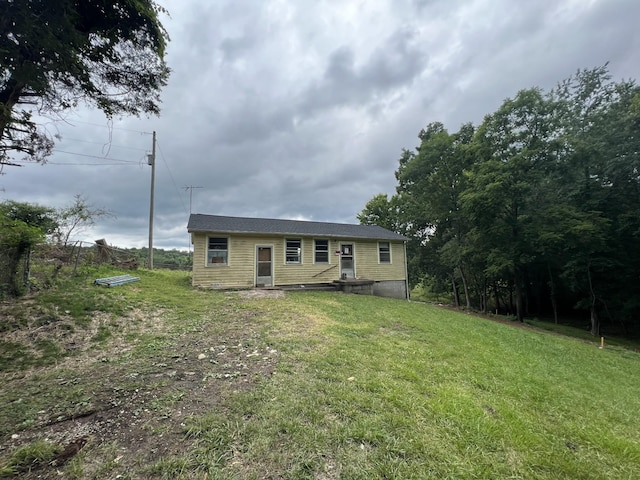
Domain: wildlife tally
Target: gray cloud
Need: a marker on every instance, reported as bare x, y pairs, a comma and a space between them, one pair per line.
394, 64
300, 109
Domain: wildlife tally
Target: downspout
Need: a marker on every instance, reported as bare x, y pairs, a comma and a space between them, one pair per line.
406, 271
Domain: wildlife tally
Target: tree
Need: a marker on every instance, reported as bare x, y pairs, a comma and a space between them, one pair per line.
538, 205
430, 184
55, 54
380, 211
600, 129
516, 153
22, 225
76, 217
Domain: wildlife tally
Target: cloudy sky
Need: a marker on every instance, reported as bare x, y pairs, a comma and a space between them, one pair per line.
299, 109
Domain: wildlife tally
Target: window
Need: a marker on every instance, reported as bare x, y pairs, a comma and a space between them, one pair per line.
218, 251
322, 251
384, 252
293, 250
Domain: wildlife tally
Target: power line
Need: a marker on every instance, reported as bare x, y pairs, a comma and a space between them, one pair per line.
20, 163
93, 164
103, 144
171, 175
111, 127
96, 156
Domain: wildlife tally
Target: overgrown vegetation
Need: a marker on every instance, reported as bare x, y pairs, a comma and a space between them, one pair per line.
22, 226
163, 381
37, 242
534, 212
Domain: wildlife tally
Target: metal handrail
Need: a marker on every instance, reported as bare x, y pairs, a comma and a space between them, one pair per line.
324, 271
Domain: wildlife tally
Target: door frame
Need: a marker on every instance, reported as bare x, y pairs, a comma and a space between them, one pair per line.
352, 254
256, 264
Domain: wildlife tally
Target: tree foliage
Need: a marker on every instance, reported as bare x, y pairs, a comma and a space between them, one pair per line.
172, 259
22, 226
57, 53
535, 211
380, 211
75, 218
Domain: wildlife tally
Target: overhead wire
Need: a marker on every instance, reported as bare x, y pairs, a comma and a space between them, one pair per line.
92, 164
103, 143
110, 161
120, 163
95, 156
111, 127
107, 161
172, 179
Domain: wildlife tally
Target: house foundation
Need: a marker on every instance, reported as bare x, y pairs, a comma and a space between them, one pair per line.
355, 285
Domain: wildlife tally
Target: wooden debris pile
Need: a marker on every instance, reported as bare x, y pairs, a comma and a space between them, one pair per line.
120, 258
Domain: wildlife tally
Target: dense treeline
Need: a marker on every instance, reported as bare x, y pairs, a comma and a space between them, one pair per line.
173, 259
534, 212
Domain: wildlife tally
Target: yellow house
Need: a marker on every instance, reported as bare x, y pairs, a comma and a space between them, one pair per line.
236, 252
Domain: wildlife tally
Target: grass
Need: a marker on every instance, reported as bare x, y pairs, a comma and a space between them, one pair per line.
29, 457
363, 388
582, 332
399, 390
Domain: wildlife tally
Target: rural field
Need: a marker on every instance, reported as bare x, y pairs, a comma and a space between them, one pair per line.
157, 380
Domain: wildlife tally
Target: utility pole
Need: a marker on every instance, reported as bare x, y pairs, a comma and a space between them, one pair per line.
152, 161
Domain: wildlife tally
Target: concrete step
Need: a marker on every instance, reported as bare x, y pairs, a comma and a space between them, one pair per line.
312, 287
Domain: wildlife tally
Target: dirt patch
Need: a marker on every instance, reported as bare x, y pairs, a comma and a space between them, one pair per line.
125, 403
261, 293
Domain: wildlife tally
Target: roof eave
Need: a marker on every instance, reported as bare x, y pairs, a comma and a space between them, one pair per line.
239, 232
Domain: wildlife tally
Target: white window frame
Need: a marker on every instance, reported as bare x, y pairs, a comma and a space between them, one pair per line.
208, 258
380, 261
286, 251
315, 251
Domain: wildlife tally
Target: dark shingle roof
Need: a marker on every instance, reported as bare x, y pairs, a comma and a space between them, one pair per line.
221, 224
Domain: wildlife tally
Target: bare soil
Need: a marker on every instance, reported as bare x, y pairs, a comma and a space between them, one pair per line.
118, 410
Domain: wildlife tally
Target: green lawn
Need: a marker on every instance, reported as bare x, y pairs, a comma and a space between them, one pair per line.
357, 388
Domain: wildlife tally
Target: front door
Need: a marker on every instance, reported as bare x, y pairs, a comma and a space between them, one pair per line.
264, 267
347, 267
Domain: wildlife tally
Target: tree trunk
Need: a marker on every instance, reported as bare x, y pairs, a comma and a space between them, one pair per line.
9, 97
456, 294
26, 275
13, 267
497, 297
552, 289
519, 298
466, 287
595, 320
511, 306
485, 296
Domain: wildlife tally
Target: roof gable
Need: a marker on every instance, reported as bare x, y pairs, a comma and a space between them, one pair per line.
222, 224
